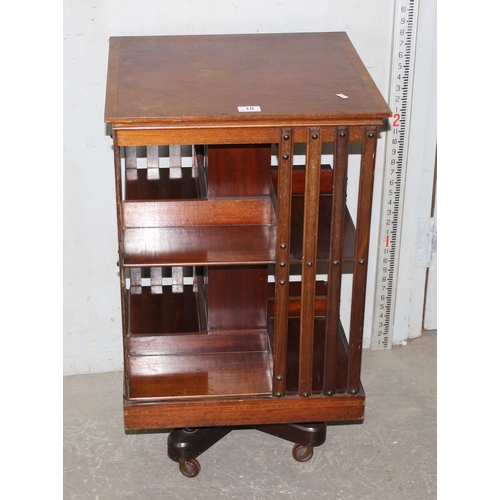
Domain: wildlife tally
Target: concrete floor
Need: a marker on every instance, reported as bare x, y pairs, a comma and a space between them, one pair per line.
392, 455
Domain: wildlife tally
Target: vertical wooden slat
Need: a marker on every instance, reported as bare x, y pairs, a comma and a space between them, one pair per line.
156, 280
309, 252
177, 279
340, 158
194, 165
201, 185
130, 163
174, 161
361, 257
195, 280
153, 162
284, 202
135, 280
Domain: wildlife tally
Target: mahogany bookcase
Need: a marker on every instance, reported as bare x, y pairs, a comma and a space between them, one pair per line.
225, 322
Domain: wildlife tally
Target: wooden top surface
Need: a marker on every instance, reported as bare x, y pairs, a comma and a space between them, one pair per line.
293, 78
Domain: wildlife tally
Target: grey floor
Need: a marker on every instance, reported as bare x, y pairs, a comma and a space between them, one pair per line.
392, 455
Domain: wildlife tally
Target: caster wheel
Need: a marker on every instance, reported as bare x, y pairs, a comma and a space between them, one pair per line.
191, 468
302, 452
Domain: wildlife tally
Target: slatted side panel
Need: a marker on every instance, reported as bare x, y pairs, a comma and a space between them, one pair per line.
156, 280
154, 153
131, 163
153, 162
175, 161
157, 172
157, 277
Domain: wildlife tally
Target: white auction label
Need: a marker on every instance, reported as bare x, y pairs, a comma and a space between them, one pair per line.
248, 109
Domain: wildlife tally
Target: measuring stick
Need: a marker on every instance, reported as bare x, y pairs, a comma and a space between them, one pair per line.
403, 56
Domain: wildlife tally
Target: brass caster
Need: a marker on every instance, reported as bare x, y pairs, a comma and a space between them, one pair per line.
302, 452
190, 468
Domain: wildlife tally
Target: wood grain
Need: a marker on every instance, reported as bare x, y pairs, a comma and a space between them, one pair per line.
215, 74
242, 411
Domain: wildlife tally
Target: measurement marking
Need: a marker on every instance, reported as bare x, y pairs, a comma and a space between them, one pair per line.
395, 163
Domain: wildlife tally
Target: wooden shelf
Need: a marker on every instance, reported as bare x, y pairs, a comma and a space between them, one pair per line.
172, 356
199, 245
229, 364
199, 232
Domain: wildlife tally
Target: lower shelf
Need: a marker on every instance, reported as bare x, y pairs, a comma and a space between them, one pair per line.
226, 364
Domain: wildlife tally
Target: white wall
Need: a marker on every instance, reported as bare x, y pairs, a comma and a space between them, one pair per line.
92, 331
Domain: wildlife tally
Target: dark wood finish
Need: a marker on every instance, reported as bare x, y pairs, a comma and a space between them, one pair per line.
284, 207
128, 135
309, 252
313, 434
192, 246
294, 299
200, 375
139, 187
237, 297
242, 411
317, 357
212, 212
165, 313
239, 170
232, 349
205, 343
299, 179
185, 444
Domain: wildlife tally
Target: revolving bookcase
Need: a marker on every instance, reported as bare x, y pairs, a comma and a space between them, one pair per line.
232, 249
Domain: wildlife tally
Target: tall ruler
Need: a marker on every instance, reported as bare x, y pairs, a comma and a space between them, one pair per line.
403, 56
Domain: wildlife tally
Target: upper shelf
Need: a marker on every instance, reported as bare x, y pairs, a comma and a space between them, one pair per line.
299, 79
198, 232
